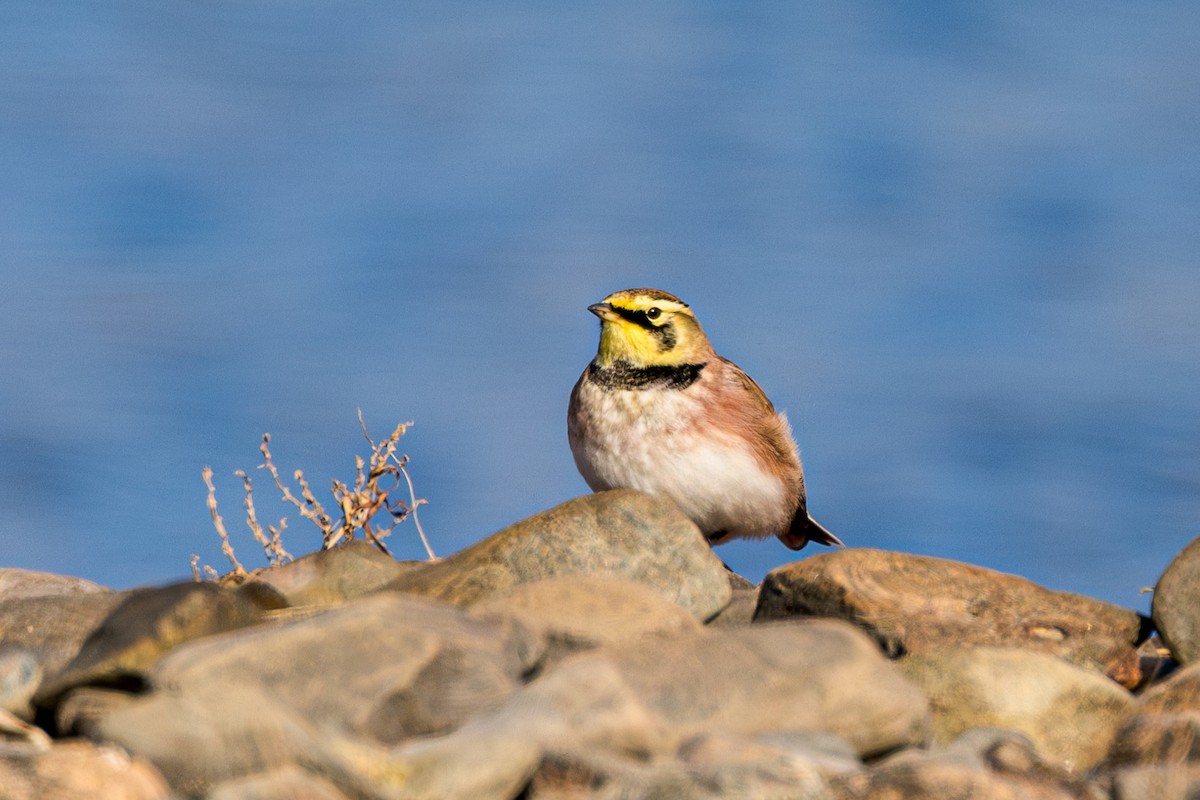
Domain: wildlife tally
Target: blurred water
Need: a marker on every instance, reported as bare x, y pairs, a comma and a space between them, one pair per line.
957, 243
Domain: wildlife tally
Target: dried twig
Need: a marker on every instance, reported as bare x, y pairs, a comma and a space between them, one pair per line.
376, 481
219, 523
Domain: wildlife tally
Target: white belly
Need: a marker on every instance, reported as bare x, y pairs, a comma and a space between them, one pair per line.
714, 478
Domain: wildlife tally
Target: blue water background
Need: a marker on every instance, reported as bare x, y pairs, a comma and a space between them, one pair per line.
958, 243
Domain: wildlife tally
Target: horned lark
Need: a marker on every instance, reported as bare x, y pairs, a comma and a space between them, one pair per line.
658, 410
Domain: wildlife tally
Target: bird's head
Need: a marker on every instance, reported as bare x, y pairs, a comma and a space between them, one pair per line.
648, 327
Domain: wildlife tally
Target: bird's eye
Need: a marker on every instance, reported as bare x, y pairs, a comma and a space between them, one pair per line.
654, 313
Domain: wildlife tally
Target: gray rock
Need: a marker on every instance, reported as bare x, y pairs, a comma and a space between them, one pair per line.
327, 577
79, 769
147, 623
388, 666
1071, 714
1176, 605
40, 635
740, 610
913, 604
622, 533
585, 611
817, 675
207, 734
583, 706
22, 583
382, 668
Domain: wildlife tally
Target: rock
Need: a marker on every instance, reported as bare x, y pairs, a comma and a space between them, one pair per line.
15, 731
207, 734
913, 604
1176, 605
1158, 739
599, 774
1179, 692
1165, 781
389, 666
622, 533
817, 675
78, 769
1024, 691
80, 709
286, 783
16, 584
40, 634
580, 705
1166, 729
585, 611
150, 622
20, 676
327, 577
740, 610
382, 668
981, 765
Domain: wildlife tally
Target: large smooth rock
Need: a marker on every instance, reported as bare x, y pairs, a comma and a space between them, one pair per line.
817, 675
1176, 605
914, 604
207, 734
21, 583
40, 634
78, 769
327, 577
389, 666
148, 623
621, 533
584, 611
1071, 714
383, 668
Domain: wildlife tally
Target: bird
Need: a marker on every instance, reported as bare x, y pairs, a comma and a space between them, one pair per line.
659, 411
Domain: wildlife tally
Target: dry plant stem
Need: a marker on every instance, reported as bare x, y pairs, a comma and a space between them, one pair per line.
313, 511
271, 545
219, 523
413, 508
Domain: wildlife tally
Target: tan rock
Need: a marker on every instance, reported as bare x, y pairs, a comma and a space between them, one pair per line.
913, 604
1176, 605
1071, 714
147, 623
327, 577
585, 611
21, 583
817, 675
621, 533
79, 769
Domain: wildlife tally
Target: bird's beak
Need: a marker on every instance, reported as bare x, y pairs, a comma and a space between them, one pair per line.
603, 311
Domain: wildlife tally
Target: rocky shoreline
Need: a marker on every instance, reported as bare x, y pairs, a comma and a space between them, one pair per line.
598, 650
